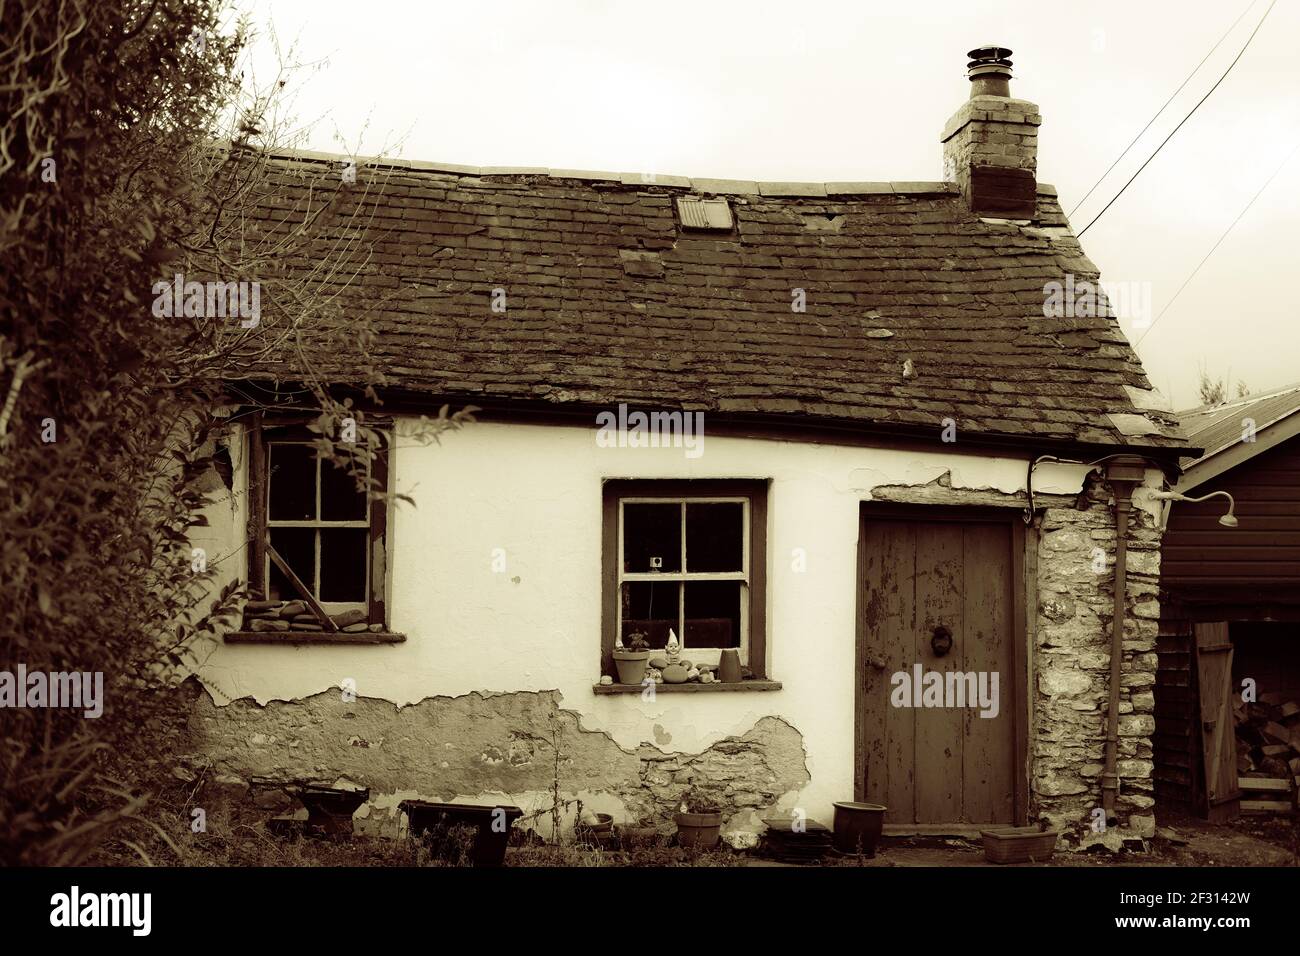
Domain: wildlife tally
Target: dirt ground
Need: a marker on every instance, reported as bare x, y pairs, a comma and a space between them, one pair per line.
1182, 841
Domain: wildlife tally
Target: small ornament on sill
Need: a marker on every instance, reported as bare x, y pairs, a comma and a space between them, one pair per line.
674, 674
606, 680
673, 649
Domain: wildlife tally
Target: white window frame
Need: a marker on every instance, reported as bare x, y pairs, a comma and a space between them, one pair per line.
711, 654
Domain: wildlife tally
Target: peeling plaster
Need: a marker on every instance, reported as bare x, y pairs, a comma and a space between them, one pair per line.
491, 748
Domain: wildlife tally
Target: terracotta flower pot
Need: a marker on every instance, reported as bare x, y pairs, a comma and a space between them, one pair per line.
631, 665
729, 666
1019, 844
702, 831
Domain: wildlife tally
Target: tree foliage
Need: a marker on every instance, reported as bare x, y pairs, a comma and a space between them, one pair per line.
131, 149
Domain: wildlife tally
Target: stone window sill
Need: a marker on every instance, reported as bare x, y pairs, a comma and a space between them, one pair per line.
690, 688
312, 637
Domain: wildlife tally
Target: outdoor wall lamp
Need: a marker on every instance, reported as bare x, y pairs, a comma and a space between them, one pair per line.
1228, 521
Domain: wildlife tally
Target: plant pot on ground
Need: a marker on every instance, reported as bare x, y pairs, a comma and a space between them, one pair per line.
858, 827
699, 821
1019, 844
631, 658
596, 829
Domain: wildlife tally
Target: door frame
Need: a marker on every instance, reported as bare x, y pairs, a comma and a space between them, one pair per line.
1024, 599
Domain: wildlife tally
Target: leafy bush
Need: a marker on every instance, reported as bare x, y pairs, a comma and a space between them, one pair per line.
132, 150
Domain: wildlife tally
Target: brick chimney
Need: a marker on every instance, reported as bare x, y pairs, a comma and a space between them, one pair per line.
990, 145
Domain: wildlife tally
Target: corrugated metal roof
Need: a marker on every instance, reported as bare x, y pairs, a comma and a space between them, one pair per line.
1218, 428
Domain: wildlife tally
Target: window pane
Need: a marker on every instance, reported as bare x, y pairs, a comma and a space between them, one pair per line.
298, 548
715, 537
652, 531
651, 608
343, 563
713, 613
339, 498
293, 482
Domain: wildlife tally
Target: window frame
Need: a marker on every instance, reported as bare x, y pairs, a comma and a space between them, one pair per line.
753, 492
265, 431
685, 574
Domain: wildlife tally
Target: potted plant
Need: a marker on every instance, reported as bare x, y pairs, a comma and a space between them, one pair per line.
631, 658
699, 821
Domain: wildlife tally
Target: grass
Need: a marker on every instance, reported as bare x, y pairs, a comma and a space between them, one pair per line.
239, 837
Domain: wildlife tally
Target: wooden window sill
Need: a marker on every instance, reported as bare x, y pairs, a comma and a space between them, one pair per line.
313, 637
690, 688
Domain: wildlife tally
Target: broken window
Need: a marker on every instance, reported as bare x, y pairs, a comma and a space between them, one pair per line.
320, 522
686, 563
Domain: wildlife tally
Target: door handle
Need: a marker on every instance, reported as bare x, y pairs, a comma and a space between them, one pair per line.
941, 641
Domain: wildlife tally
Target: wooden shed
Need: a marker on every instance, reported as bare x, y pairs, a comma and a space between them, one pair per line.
1230, 615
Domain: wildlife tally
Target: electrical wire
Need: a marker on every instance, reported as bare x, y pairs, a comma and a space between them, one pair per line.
1216, 245
1163, 107
1190, 114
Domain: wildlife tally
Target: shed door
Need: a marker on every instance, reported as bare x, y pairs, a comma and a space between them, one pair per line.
1218, 739
946, 764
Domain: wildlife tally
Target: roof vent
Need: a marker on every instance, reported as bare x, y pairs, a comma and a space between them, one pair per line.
699, 213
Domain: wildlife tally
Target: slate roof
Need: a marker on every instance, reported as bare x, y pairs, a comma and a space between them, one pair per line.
1218, 428
609, 299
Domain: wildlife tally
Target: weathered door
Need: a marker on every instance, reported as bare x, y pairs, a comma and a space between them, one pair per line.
1218, 737
937, 765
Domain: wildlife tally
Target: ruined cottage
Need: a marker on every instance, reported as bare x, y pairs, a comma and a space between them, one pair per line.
852, 432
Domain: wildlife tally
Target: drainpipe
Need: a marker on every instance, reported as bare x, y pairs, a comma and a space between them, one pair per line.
1124, 473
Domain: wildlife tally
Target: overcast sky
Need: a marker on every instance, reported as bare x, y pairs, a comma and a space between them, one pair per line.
819, 90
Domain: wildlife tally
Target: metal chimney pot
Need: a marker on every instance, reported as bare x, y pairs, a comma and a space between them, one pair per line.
989, 71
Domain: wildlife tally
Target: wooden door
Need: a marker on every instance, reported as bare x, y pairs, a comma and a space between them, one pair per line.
1218, 736
937, 765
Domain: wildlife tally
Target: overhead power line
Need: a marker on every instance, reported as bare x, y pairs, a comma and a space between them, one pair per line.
1190, 114
1243, 212
1163, 107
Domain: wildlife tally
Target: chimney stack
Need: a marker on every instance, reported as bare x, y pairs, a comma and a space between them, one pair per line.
990, 145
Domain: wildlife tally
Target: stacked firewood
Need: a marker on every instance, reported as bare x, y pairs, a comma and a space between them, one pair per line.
1268, 753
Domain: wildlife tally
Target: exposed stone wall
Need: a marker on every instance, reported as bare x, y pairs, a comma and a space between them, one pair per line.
1072, 669
488, 746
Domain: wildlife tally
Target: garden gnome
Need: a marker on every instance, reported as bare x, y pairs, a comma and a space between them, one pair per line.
673, 649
